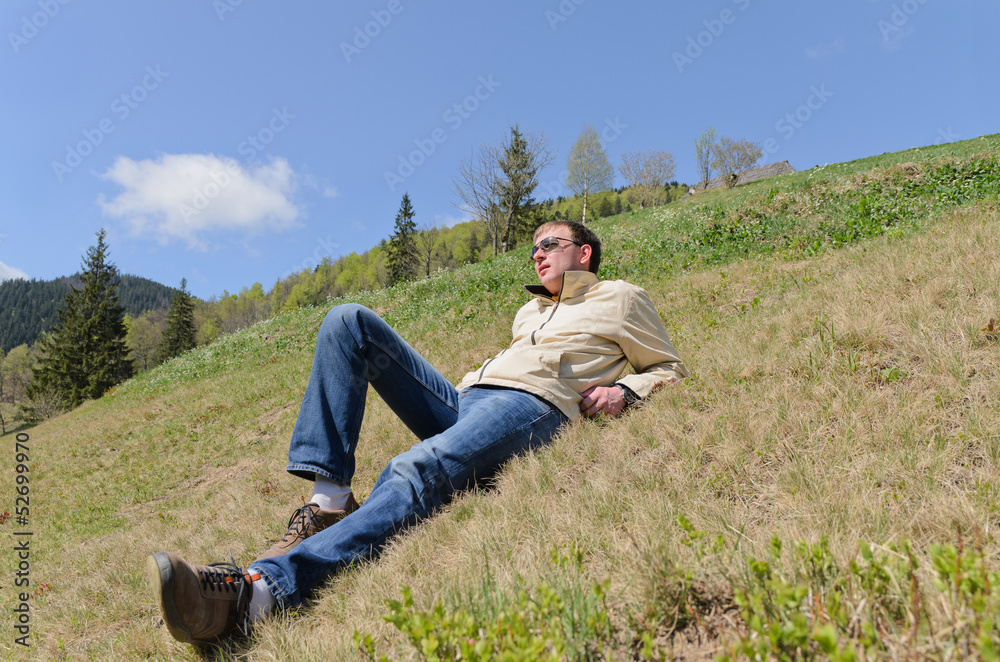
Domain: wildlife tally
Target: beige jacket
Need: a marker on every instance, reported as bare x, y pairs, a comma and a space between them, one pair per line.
586, 338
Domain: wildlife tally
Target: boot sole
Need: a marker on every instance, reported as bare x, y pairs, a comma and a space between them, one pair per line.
160, 571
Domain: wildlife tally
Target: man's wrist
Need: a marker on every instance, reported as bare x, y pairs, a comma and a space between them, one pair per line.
629, 395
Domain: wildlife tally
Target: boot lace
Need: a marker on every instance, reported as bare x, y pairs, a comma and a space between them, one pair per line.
299, 523
228, 577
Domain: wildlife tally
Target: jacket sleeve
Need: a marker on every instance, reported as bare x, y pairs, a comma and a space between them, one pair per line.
647, 347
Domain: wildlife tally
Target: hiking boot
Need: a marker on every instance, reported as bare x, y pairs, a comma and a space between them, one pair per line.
308, 520
200, 603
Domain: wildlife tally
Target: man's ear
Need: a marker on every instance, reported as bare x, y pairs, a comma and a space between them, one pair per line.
585, 252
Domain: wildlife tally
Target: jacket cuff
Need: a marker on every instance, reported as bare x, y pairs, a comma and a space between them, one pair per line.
631, 399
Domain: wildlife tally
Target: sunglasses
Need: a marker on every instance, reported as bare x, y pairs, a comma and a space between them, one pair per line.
549, 244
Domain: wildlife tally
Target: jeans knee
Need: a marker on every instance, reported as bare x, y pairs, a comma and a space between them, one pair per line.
421, 470
347, 313
347, 317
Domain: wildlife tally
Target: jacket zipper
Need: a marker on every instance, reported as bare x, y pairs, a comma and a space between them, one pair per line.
542, 326
554, 308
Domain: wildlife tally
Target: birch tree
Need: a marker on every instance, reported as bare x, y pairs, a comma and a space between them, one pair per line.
588, 169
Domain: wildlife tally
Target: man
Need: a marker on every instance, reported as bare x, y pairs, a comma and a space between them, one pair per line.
571, 343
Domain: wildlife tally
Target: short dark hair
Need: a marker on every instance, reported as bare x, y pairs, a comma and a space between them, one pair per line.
581, 234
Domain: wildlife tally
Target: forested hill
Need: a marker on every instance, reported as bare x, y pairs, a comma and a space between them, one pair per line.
28, 307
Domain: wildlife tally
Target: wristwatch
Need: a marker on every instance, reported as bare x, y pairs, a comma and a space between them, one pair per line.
630, 397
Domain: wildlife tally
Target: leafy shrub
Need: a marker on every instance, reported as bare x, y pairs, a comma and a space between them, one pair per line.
878, 607
565, 620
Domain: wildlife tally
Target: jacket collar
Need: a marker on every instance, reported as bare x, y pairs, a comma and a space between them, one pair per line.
574, 284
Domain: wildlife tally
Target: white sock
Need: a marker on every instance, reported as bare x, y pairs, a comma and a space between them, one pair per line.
329, 495
262, 601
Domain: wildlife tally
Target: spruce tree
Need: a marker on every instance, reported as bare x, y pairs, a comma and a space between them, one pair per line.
179, 335
402, 257
520, 170
85, 353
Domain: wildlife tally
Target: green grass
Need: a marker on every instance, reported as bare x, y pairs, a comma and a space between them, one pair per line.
837, 322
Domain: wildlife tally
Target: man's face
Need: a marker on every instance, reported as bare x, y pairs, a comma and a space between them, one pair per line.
551, 266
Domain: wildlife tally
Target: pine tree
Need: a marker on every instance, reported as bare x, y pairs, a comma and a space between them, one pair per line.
85, 353
495, 186
402, 258
179, 335
520, 165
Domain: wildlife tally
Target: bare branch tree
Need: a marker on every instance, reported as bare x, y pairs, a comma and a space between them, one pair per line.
647, 173
478, 187
588, 169
427, 241
495, 185
734, 156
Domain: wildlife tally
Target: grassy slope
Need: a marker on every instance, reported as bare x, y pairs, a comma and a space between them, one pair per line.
794, 424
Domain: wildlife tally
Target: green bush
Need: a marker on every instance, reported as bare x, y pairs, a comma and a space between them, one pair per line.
566, 619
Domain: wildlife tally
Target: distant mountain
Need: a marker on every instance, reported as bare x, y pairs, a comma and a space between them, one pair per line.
28, 307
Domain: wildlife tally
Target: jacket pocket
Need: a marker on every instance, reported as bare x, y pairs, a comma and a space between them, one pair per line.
528, 365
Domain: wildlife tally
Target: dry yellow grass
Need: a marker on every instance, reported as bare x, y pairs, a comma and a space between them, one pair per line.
857, 400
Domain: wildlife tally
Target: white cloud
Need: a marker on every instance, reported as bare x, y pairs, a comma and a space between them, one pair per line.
189, 196
10, 273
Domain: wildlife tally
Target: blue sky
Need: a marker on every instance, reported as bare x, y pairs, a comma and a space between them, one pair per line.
230, 142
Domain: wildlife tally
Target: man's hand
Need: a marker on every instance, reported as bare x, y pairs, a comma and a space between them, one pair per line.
607, 400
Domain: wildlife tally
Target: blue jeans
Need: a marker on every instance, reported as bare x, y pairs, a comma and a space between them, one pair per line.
465, 438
